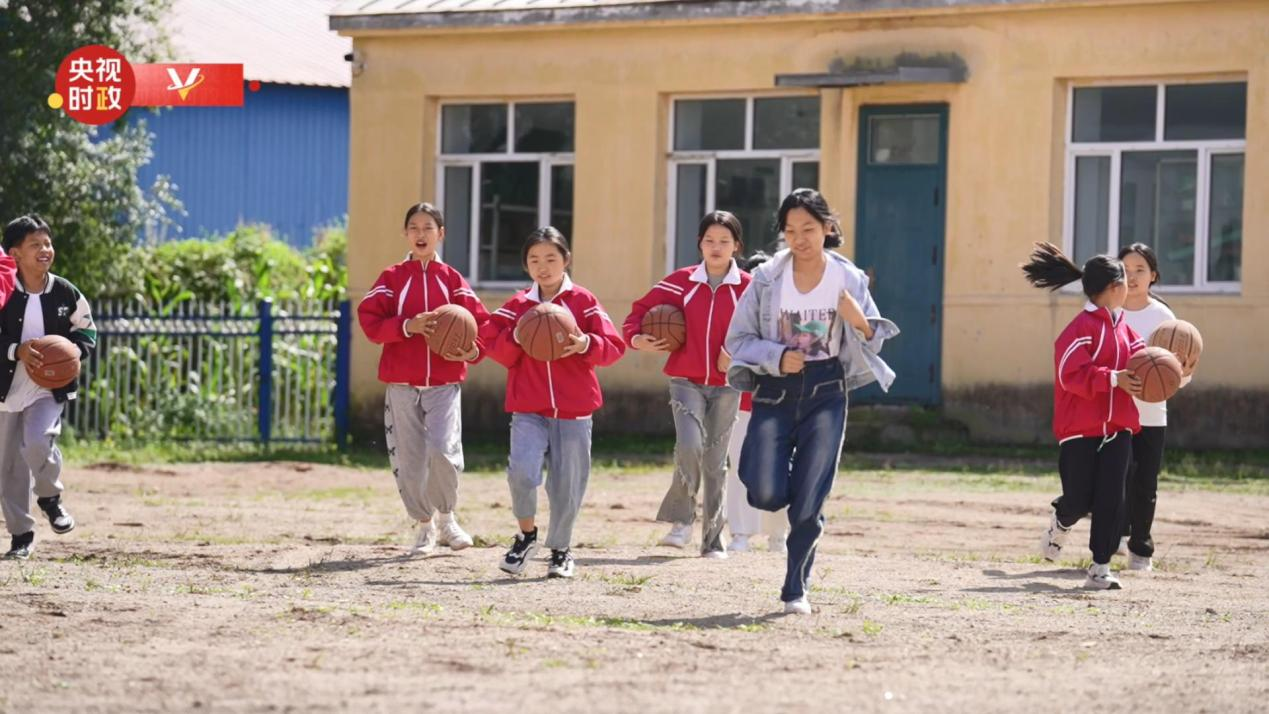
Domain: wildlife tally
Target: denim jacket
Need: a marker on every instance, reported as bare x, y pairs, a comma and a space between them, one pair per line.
753, 338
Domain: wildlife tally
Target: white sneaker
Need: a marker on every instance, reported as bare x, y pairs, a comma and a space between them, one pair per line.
1054, 538
1123, 547
797, 607
425, 543
679, 536
452, 534
1101, 578
777, 544
739, 543
1137, 562
715, 554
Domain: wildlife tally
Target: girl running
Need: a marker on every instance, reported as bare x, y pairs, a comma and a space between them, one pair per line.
704, 407
1094, 417
422, 406
1144, 312
805, 334
550, 402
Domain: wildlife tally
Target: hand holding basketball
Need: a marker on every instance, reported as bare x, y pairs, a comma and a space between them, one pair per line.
51, 361
421, 324
648, 343
665, 323
28, 355
577, 344
1128, 382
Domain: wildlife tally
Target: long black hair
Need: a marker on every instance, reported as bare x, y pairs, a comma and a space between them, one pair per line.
1152, 261
1050, 268
812, 201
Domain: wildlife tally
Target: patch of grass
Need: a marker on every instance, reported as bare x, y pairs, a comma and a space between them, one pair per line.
426, 608
626, 581
35, 577
903, 599
872, 629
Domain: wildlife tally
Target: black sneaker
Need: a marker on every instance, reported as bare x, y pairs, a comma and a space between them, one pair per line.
20, 546
561, 564
58, 518
521, 551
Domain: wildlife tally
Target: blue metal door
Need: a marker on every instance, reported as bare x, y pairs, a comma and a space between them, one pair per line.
899, 223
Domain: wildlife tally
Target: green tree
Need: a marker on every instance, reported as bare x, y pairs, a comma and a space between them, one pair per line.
85, 186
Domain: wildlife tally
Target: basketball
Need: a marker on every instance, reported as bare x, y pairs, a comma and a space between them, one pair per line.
665, 322
543, 331
1181, 339
1159, 371
61, 362
455, 331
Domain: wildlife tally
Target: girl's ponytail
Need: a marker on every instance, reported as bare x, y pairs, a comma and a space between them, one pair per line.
1049, 268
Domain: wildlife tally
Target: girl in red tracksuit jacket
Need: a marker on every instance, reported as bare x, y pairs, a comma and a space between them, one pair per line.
422, 405
550, 402
1094, 416
704, 406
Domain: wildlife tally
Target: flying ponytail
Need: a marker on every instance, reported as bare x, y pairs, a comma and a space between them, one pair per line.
1049, 268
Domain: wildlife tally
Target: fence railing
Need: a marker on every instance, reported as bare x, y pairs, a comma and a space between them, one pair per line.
269, 372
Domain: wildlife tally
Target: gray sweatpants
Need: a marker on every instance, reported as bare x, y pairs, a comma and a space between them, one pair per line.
29, 458
564, 445
703, 419
424, 432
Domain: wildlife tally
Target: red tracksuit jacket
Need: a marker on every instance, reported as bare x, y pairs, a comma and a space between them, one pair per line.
1085, 403
401, 292
707, 313
564, 388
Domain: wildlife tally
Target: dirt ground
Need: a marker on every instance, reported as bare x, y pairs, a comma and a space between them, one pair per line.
280, 587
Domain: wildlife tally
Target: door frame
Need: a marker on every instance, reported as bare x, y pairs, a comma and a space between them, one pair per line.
862, 167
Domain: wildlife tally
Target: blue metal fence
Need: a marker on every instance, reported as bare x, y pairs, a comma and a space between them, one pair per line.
269, 372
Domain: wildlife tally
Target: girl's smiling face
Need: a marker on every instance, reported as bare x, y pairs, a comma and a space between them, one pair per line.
718, 246
1140, 276
546, 265
34, 255
423, 236
804, 234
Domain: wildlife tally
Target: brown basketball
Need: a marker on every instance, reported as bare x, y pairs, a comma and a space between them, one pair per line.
455, 330
61, 362
665, 322
1159, 371
1181, 339
543, 331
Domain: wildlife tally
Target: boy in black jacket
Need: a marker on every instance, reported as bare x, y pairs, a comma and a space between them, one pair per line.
30, 415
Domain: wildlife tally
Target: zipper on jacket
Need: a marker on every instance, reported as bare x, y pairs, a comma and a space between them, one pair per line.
709, 325
427, 379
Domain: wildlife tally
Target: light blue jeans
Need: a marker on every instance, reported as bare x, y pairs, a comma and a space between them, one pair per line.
563, 445
703, 419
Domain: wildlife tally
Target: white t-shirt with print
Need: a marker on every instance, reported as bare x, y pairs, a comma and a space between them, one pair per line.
1144, 322
22, 391
809, 322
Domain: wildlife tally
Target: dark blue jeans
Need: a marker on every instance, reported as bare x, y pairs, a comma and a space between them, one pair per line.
791, 454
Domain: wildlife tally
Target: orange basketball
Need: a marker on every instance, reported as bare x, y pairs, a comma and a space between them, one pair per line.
455, 330
61, 362
1181, 339
1159, 371
665, 322
543, 331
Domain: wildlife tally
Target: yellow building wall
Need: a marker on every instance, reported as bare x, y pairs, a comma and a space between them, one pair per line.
1005, 153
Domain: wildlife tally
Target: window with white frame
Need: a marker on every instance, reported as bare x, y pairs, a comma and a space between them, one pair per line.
1160, 164
740, 154
504, 169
